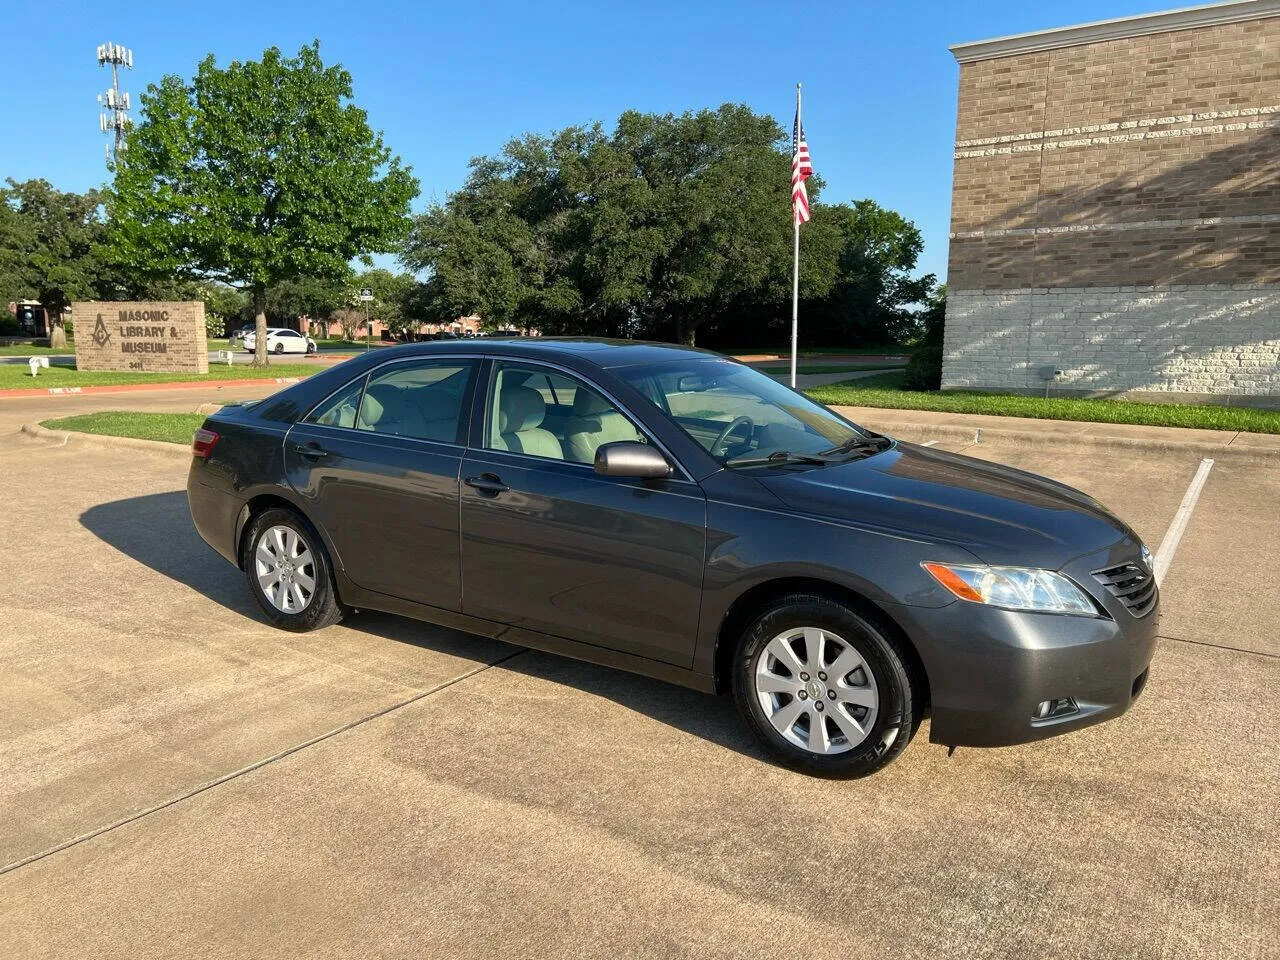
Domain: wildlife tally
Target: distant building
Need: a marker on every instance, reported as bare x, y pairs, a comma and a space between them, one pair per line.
1116, 208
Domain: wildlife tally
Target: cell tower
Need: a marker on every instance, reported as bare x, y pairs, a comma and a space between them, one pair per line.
114, 118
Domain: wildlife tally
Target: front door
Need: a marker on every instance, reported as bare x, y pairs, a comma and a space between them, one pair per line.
550, 545
377, 465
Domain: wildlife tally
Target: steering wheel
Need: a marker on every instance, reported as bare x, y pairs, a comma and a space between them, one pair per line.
724, 434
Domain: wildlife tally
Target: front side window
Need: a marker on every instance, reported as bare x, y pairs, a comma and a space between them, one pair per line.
740, 415
419, 400
542, 413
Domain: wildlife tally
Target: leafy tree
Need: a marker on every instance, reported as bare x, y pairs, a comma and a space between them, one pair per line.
667, 226
651, 230
306, 296
50, 246
256, 174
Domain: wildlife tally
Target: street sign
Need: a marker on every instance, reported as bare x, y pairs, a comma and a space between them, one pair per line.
366, 295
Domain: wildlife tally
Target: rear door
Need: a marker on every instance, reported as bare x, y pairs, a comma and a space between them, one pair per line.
550, 545
377, 464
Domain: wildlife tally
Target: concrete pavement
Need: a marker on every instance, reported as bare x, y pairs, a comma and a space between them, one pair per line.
182, 779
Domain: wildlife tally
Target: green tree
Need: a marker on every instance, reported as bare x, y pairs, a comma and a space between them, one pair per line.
667, 226
651, 230
50, 246
256, 174
306, 296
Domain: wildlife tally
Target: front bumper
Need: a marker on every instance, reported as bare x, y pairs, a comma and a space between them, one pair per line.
990, 669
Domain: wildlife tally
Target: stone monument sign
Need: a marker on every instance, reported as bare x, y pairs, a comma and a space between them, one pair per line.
147, 336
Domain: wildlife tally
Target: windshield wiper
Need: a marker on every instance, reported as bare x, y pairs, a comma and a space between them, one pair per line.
874, 444
778, 457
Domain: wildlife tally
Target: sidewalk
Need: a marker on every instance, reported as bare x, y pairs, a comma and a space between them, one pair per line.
923, 425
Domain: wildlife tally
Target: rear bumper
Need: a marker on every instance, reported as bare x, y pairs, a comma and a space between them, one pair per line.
214, 513
989, 669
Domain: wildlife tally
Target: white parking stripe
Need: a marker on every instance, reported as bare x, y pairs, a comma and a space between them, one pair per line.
928, 443
1173, 536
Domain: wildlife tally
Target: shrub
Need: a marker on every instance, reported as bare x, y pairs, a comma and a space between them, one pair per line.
924, 369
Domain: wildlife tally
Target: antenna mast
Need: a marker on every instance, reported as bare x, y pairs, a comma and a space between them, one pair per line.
114, 118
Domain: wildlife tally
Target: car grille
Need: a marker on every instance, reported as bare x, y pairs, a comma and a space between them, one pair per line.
1130, 583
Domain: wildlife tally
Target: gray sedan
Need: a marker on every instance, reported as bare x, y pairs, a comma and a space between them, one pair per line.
674, 513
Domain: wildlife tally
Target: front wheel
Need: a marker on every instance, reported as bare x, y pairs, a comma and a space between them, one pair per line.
311, 348
289, 572
278, 348
824, 689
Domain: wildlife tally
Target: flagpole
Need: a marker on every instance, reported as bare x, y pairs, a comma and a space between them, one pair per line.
795, 272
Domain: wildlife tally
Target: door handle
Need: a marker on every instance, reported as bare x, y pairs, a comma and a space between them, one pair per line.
311, 451
489, 484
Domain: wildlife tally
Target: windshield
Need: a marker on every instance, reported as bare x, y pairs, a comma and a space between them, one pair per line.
740, 415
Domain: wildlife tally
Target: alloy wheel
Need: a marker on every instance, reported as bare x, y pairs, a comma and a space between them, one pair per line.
285, 568
816, 690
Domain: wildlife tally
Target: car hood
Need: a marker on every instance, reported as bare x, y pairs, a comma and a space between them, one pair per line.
999, 514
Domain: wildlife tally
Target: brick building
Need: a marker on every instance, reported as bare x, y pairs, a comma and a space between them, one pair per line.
1116, 208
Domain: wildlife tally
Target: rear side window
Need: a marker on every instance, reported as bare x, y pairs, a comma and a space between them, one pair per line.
340, 409
423, 400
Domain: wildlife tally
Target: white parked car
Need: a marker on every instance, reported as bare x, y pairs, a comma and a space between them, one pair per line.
281, 340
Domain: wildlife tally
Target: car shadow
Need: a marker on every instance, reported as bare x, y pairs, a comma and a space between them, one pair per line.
156, 531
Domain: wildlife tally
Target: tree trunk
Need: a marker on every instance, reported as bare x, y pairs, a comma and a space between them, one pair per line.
260, 358
57, 336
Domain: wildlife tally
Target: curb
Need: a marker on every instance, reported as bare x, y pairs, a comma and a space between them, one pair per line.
917, 432
138, 387
62, 437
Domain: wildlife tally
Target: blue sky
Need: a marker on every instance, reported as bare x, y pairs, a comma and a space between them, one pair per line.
446, 82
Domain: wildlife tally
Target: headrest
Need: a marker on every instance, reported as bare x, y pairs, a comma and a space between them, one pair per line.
520, 408
371, 410
588, 403
382, 401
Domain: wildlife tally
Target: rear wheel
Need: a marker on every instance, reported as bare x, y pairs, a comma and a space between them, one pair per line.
278, 348
825, 689
289, 572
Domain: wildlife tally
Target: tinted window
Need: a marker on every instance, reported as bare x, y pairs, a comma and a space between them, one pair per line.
542, 413
340, 409
420, 400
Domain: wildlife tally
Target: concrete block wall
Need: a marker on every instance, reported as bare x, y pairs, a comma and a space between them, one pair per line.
1116, 207
1211, 339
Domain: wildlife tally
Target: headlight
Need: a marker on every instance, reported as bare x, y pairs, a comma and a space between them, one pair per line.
1013, 588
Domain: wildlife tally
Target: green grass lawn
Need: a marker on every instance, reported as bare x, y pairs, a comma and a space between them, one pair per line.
830, 368
18, 376
169, 427
886, 390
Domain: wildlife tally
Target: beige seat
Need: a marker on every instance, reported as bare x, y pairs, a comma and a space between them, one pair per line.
520, 414
594, 422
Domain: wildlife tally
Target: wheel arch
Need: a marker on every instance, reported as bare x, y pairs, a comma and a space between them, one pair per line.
761, 596
265, 501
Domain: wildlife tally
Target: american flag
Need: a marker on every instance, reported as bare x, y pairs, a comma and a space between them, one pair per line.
801, 170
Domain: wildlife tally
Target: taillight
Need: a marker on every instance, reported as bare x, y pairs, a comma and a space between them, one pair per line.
202, 443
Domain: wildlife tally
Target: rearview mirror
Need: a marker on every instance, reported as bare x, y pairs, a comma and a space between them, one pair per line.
626, 458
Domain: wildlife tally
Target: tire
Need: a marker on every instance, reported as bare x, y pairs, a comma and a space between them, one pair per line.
278, 348
888, 706
310, 349
322, 606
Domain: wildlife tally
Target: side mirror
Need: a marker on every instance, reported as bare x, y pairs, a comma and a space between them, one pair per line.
626, 458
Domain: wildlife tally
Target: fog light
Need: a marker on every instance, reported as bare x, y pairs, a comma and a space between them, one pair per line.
1052, 709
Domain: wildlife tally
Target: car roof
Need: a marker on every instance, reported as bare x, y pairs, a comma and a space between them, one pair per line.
600, 351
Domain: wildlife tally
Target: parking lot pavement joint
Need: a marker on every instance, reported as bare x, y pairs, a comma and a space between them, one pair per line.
256, 765
1223, 646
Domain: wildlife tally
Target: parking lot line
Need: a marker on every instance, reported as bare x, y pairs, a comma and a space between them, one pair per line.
928, 443
1173, 536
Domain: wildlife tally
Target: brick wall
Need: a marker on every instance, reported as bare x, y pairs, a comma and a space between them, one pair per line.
1111, 197
144, 337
